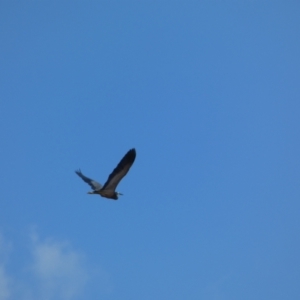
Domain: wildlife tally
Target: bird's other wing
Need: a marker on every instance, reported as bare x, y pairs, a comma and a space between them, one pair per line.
94, 184
120, 171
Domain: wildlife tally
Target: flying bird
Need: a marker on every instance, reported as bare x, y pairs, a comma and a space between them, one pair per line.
108, 190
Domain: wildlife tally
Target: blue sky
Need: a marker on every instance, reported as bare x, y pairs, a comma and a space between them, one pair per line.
208, 94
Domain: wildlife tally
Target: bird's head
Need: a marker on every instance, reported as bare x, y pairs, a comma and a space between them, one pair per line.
117, 195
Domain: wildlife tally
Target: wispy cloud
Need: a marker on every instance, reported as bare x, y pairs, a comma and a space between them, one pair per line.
56, 272
59, 269
4, 278
4, 284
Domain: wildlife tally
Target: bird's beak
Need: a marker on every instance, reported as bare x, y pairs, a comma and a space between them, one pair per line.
120, 194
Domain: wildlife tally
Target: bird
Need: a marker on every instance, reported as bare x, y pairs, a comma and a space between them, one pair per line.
108, 190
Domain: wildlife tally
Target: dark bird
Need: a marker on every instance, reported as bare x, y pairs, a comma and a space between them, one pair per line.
108, 190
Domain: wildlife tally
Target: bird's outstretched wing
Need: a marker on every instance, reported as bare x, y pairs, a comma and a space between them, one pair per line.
94, 184
120, 171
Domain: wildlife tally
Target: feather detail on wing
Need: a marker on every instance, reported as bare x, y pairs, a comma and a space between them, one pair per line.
120, 171
94, 184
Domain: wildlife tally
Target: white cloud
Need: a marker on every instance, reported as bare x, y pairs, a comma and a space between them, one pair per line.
4, 278
59, 269
4, 284
51, 270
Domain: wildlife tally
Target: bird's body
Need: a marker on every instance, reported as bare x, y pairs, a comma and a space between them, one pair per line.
108, 190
